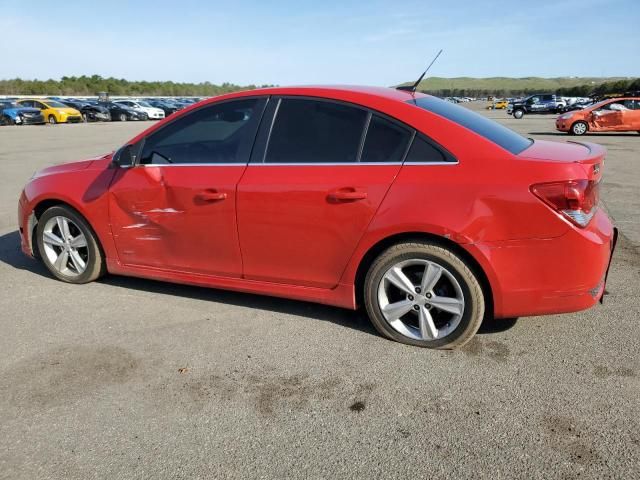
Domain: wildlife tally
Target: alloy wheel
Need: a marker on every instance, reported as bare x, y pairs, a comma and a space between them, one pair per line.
421, 299
579, 128
65, 246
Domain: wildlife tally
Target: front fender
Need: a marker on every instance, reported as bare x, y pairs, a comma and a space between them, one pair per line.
84, 190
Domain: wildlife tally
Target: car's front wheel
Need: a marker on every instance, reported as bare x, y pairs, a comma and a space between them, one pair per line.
68, 246
425, 295
579, 128
123, 117
52, 119
518, 114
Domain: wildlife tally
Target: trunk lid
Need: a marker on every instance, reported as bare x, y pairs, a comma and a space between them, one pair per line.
589, 155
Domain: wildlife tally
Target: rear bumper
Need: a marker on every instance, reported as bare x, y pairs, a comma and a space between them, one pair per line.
548, 276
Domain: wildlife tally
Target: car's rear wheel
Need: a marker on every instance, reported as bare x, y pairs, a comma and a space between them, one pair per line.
123, 117
518, 114
425, 295
68, 246
579, 128
52, 119
6, 120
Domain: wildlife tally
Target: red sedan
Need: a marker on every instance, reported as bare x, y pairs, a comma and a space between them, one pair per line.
427, 214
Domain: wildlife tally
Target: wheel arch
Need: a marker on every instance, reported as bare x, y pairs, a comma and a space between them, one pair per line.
381, 245
43, 205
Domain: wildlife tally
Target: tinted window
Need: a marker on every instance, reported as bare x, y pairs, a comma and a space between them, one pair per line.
386, 141
220, 133
423, 151
312, 131
492, 131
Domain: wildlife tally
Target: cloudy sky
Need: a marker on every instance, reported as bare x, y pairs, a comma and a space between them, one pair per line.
299, 42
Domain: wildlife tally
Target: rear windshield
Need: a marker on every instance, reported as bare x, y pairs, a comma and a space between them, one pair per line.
492, 131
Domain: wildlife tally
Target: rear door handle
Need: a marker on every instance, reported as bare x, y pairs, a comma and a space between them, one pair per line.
348, 194
211, 196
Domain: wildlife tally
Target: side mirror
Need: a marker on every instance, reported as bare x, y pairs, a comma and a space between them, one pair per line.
125, 157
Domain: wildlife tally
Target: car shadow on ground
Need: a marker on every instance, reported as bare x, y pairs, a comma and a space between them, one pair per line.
11, 254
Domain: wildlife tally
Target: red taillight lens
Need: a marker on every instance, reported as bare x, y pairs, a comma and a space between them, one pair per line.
575, 199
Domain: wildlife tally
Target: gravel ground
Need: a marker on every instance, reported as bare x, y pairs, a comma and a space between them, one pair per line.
130, 378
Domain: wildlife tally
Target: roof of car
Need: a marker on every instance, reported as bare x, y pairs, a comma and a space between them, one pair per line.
386, 92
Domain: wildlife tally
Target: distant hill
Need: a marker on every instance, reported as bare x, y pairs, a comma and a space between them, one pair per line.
507, 85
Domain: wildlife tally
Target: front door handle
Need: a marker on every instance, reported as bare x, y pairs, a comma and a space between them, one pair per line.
348, 194
211, 196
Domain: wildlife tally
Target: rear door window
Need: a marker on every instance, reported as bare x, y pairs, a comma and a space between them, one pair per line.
386, 141
424, 151
313, 131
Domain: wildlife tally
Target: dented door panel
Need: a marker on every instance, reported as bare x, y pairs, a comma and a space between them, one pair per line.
179, 218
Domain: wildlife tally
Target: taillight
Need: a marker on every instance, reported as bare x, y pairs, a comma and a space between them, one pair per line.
575, 199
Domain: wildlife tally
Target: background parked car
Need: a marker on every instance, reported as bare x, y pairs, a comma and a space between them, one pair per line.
122, 112
165, 106
52, 110
613, 115
153, 113
539, 103
90, 112
12, 113
498, 105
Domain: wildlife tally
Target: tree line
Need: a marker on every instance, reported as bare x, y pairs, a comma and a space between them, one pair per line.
618, 87
91, 85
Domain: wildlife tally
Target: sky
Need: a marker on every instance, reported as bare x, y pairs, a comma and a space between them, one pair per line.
324, 41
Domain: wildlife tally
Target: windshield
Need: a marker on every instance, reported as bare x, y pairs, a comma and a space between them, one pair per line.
55, 104
492, 131
9, 105
143, 103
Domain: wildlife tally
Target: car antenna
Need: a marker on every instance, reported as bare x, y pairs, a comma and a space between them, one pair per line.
414, 87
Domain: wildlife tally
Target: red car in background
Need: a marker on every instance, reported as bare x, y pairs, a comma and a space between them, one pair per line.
613, 115
429, 215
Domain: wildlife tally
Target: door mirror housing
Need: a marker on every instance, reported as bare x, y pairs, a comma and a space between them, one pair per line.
125, 157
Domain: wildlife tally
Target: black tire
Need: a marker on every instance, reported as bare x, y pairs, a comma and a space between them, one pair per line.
85, 118
474, 303
95, 264
52, 120
579, 128
518, 113
6, 120
123, 117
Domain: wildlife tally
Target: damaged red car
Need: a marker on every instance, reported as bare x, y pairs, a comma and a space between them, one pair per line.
428, 215
613, 115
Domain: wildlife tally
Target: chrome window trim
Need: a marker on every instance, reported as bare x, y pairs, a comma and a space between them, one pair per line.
310, 164
321, 164
192, 165
424, 164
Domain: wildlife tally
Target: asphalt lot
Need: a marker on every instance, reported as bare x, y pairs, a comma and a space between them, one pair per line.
129, 378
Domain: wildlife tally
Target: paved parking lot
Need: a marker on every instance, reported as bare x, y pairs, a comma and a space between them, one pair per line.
129, 378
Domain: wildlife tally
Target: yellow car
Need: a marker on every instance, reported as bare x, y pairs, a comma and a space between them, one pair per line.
498, 105
52, 110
